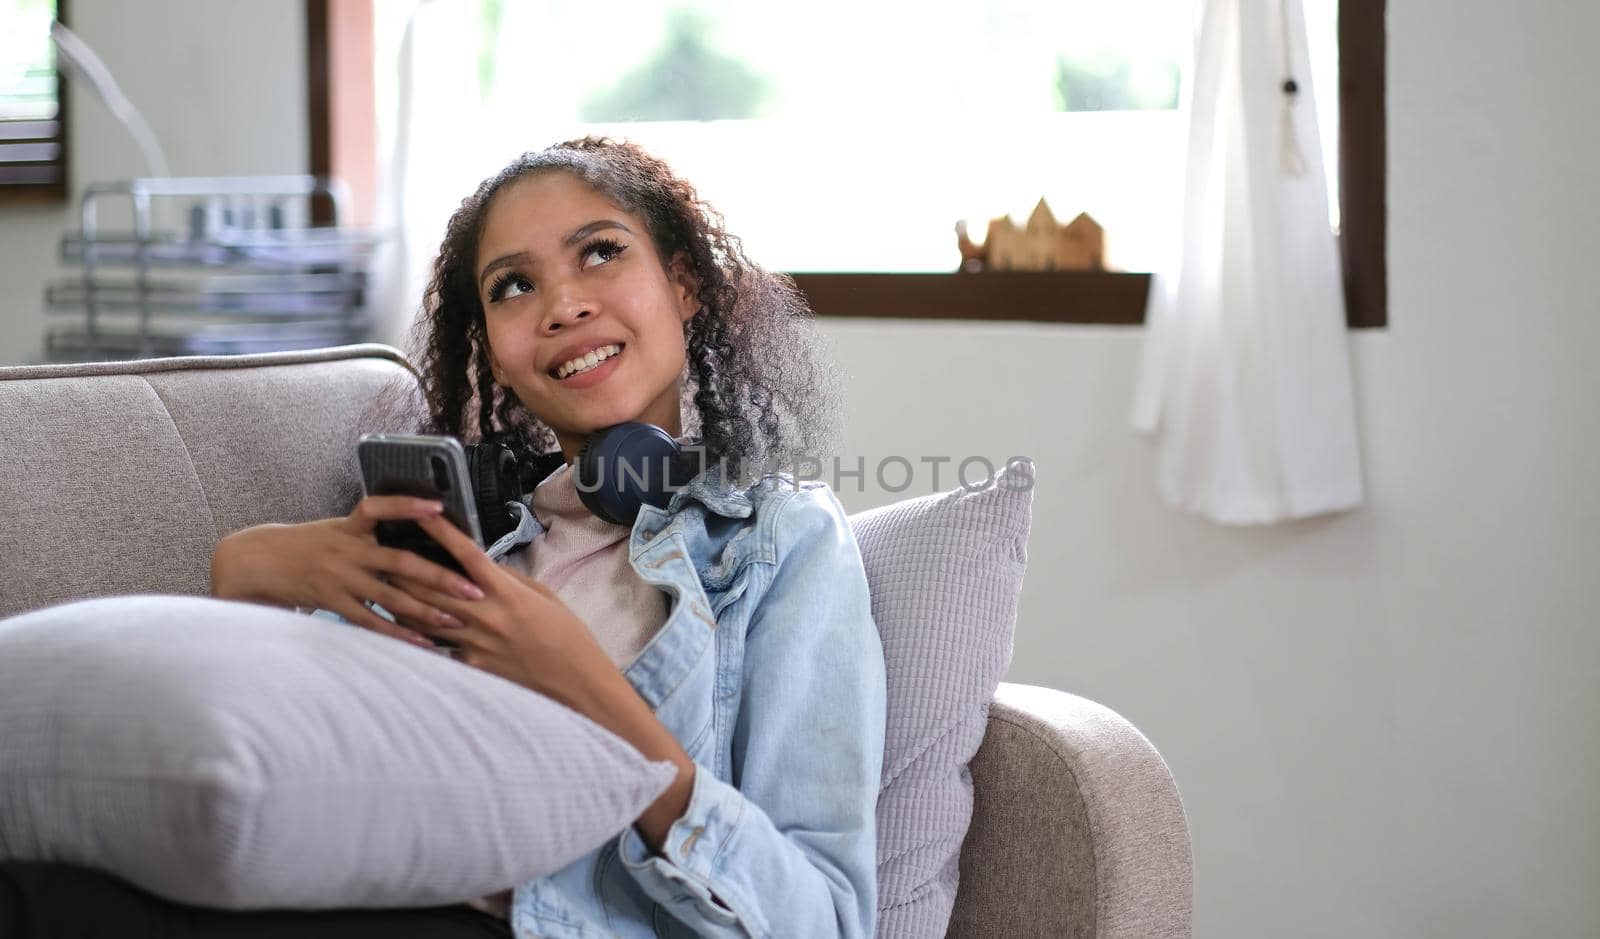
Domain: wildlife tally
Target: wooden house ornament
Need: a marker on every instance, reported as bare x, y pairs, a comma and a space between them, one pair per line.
1042, 245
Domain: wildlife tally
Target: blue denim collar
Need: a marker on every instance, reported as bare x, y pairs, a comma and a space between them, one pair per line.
711, 489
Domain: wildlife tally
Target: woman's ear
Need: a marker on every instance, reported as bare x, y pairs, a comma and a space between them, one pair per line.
686, 286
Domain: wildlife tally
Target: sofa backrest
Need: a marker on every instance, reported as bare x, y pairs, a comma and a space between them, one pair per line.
120, 477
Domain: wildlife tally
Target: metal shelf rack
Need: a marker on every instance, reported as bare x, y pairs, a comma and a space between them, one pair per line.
208, 266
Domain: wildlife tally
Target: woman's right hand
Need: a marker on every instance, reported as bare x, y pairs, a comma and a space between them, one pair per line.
336, 564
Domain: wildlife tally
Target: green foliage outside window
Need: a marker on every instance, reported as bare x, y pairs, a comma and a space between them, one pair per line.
686, 79
490, 14
1070, 60
1111, 82
27, 60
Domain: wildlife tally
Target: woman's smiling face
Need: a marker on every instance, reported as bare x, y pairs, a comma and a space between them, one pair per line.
563, 272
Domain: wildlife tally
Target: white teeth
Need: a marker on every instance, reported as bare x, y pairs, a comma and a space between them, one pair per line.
585, 362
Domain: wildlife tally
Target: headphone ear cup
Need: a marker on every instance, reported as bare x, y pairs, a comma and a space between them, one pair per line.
622, 467
587, 478
494, 483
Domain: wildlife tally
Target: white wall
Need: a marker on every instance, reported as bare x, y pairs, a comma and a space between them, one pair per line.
1383, 724
222, 84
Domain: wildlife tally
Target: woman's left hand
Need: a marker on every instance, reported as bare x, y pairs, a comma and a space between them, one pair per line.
520, 630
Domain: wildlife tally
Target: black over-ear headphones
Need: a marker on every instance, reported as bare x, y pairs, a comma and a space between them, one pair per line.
619, 469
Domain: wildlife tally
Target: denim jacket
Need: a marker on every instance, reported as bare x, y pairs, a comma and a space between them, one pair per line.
770, 673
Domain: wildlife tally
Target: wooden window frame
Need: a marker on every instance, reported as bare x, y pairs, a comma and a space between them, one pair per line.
60, 190
341, 105
343, 143
1363, 161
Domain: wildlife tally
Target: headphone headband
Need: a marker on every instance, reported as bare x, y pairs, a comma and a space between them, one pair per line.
619, 469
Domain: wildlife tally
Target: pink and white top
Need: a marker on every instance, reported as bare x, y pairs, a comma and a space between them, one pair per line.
584, 559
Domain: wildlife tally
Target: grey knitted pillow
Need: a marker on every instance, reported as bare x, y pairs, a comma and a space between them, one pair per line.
245, 757
944, 571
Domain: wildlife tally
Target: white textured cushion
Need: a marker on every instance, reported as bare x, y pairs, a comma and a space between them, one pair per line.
241, 756
945, 571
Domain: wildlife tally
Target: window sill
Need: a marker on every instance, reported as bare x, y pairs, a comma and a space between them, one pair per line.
1084, 298
31, 194
1109, 298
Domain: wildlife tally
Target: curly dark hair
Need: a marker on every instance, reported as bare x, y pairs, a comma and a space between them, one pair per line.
757, 388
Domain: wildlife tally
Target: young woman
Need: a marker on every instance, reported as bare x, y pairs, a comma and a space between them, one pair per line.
582, 287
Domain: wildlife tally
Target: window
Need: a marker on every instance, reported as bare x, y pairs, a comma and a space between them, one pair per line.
33, 162
844, 141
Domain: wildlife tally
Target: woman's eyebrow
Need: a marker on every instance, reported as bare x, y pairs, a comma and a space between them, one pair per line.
504, 260
597, 225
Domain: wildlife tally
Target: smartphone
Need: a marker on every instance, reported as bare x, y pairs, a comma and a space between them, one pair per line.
427, 467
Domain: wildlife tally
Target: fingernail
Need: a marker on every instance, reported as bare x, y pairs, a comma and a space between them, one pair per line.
419, 641
469, 590
433, 507
445, 619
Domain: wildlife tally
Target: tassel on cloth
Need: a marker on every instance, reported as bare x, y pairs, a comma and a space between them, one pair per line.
1291, 158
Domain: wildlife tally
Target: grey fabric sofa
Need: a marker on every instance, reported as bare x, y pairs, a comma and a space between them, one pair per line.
120, 477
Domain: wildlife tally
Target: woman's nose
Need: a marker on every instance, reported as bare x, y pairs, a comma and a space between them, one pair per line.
566, 313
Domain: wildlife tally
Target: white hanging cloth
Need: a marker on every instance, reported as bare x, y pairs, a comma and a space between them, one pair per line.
1245, 379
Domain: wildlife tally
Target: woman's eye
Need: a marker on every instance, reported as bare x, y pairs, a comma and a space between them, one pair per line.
604, 249
511, 285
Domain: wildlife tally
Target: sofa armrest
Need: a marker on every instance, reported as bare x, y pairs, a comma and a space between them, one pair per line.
1077, 827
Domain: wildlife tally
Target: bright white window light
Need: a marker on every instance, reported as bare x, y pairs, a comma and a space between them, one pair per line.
834, 136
